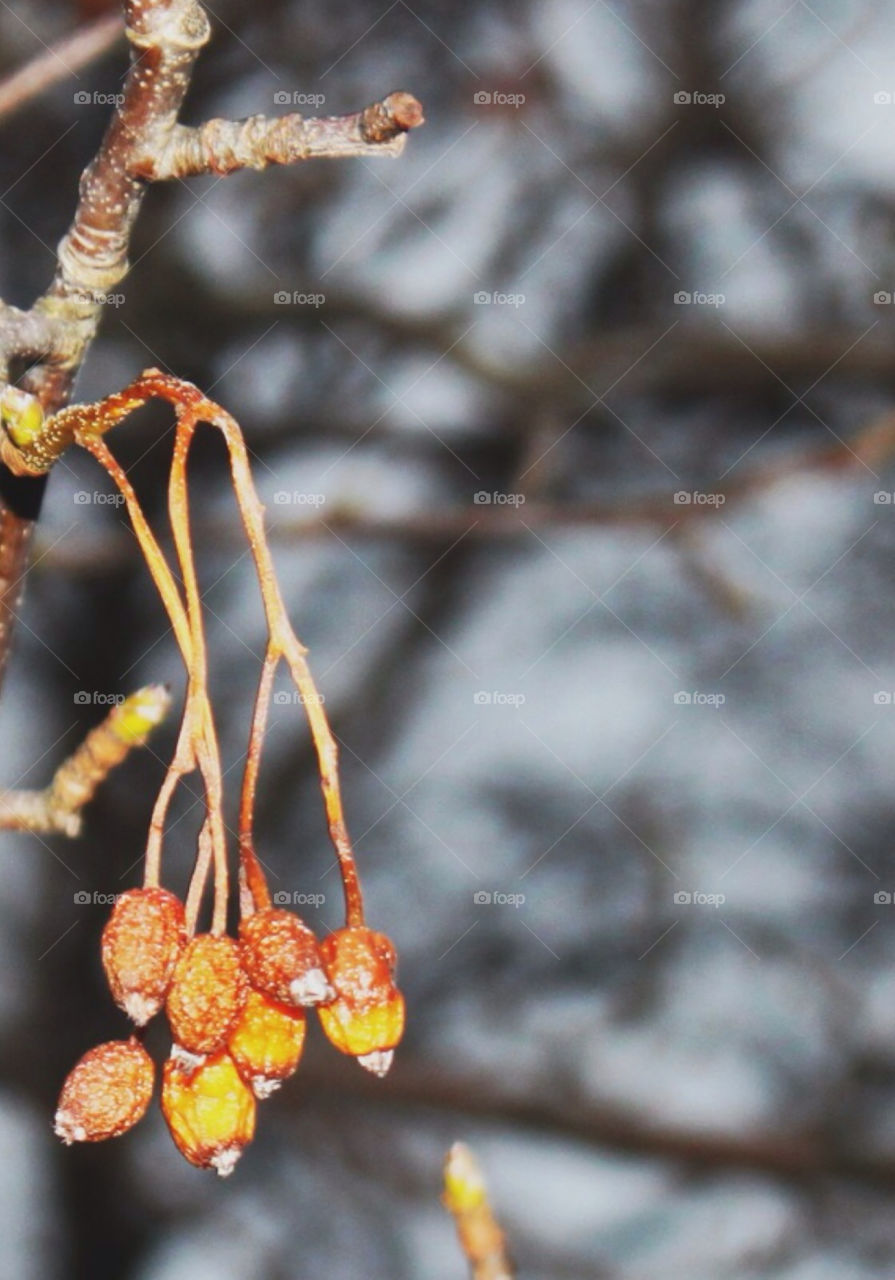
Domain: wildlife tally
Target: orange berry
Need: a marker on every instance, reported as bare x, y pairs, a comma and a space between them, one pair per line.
105, 1093
366, 1019
266, 1042
282, 958
142, 941
207, 992
209, 1110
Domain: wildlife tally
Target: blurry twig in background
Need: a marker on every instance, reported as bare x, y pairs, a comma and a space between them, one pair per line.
59, 61
58, 807
466, 1196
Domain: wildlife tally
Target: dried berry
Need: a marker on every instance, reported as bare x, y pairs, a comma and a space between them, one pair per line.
207, 992
106, 1093
282, 958
366, 1018
209, 1110
266, 1042
141, 945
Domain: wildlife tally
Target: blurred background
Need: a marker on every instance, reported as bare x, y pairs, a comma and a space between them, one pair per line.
574, 430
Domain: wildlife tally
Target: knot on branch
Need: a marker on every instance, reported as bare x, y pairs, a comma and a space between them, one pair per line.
396, 114
182, 24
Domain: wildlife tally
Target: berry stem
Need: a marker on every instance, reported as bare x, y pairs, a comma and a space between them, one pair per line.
250, 868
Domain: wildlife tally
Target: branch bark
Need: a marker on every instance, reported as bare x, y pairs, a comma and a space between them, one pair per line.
144, 142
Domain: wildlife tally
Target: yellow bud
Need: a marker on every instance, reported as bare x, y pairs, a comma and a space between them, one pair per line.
22, 416
139, 714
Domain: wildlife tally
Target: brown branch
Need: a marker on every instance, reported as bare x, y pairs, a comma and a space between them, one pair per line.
224, 146
466, 1197
143, 141
63, 59
57, 808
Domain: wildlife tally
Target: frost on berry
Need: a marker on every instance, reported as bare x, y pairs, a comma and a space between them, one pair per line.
266, 1042
105, 1093
207, 993
282, 958
210, 1111
141, 944
366, 1019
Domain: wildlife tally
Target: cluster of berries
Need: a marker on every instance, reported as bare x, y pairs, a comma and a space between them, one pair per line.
236, 1009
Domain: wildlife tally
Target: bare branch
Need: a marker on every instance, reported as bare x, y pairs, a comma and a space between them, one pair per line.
62, 59
58, 807
466, 1196
225, 146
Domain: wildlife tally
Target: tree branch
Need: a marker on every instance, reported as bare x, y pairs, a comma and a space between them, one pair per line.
143, 142
62, 59
57, 808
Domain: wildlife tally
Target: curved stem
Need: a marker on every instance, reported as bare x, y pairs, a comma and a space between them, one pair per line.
206, 744
250, 868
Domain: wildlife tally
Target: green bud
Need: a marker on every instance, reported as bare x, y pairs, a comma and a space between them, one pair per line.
21, 415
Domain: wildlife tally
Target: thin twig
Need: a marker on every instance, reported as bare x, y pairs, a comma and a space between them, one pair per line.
64, 58
58, 807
